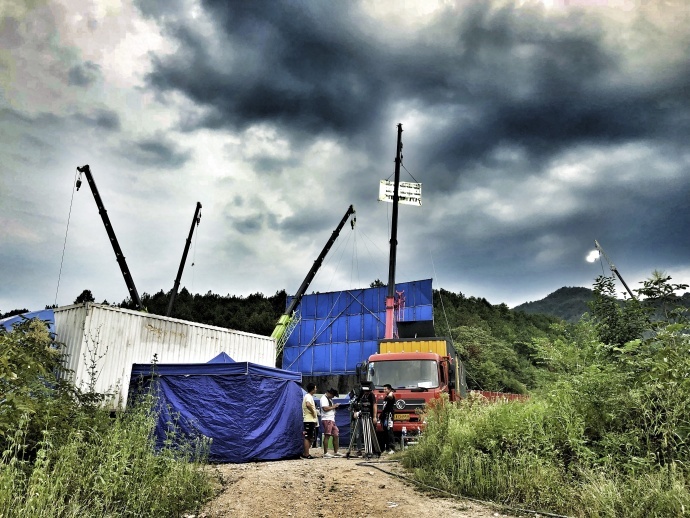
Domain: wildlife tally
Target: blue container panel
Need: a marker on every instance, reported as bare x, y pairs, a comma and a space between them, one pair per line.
308, 307
355, 330
375, 325
339, 358
340, 303
369, 348
354, 352
306, 359
322, 359
354, 306
322, 331
356, 317
339, 330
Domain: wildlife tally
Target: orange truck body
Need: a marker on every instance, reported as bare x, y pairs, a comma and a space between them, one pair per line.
420, 370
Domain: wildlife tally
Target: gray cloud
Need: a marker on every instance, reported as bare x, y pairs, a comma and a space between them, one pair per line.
157, 151
101, 118
84, 74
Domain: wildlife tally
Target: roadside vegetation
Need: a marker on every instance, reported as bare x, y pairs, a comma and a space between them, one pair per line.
64, 455
605, 432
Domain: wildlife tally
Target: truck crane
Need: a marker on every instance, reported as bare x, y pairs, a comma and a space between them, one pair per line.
420, 369
173, 294
134, 295
613, 268
287, 321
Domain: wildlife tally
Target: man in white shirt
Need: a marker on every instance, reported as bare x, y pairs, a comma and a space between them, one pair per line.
328, 422
310, 419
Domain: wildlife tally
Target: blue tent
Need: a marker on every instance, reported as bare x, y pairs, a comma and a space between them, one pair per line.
251, 412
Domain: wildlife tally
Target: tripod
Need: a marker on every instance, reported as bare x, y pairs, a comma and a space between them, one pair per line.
365, 426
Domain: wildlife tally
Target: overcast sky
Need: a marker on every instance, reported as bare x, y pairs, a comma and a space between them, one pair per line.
534, 127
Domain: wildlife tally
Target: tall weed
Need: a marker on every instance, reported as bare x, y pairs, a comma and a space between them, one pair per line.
112, 473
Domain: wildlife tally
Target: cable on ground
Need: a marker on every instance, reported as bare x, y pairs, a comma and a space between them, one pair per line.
454, 495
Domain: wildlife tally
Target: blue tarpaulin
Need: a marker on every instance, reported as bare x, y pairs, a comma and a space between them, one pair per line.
340, 329
251, 412
46, 315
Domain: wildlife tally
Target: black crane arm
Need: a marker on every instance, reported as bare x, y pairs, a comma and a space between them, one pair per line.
195, 222
613, 268
134, 295
284, 320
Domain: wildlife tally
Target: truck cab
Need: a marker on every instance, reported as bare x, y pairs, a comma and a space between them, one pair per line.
418, 374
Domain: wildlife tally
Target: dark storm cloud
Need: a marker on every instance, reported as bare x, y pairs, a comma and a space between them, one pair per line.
494, 75
299, 65
84, 74
157, 151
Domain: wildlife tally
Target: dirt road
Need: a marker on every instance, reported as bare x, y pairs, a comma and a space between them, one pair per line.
329, 488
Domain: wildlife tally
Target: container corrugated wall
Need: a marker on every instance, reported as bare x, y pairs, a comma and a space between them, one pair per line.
107, 341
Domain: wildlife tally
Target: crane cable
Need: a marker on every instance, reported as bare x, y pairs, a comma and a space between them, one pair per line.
64, 245
445, 316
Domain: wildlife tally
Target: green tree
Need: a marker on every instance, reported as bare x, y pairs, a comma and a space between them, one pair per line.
33, 385
85, 296
616, 322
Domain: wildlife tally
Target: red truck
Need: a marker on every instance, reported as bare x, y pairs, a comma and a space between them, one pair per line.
420, 370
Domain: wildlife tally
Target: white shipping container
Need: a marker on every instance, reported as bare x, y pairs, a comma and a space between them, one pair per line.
103, 342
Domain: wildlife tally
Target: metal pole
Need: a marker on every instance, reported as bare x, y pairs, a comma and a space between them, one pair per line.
390, 297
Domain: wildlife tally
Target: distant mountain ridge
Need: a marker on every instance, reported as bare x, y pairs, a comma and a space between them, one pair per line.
567, 303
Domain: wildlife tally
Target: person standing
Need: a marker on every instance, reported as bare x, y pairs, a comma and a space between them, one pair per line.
310, 419
387, 415
328, 422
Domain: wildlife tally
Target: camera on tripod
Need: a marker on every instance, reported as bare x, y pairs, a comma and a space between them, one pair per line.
359, 400
363, 407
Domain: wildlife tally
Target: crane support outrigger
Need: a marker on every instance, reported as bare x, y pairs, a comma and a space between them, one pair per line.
176, 286
280, 332
134, 295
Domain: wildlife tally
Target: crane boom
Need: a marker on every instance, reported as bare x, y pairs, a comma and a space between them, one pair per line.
134, 295
613, 267
173, 294
284, 321
390, 296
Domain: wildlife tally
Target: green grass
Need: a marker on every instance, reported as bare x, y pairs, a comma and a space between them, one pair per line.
535, 455
114, 471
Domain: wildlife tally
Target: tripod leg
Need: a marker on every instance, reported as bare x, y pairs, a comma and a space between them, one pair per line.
353, 437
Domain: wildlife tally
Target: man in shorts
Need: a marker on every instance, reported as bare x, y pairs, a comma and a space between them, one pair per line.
328, 422
310, 420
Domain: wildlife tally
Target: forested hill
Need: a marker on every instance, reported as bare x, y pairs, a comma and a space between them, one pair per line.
568, 304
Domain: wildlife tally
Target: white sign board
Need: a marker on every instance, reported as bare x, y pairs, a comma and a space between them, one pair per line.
409, 193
